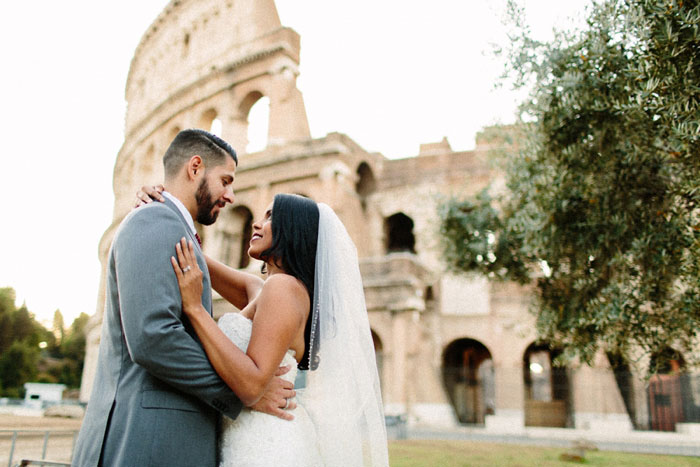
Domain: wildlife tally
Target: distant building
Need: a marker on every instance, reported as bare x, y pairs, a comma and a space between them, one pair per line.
38, 394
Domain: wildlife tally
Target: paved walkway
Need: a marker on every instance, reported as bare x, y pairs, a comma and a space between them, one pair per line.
648, 442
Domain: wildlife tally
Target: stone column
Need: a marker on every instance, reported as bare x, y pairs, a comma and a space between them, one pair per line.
288, 121
510, 399
235, 132
396, 389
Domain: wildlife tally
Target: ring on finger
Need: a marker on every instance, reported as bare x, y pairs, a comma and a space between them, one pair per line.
286, 405
185, 269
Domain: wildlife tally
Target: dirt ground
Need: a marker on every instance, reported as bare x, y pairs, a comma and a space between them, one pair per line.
29, 444
17, 422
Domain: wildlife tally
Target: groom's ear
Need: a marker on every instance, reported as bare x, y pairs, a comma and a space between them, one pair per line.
195, 167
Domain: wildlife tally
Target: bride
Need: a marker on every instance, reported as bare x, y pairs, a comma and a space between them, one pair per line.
310, 313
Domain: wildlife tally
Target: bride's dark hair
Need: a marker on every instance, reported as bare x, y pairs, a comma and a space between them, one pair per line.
294, 240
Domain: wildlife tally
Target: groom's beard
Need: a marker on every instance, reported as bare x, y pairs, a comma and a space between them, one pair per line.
205, 205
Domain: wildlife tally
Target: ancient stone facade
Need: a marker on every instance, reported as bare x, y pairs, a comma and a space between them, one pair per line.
450, 349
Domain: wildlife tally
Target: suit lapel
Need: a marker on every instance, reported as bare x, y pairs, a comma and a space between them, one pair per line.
191, 236
197, 246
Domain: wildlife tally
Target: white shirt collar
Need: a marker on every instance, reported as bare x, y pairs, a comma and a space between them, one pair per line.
181, 207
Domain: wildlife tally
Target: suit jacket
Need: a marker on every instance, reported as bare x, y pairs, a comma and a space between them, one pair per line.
156, 397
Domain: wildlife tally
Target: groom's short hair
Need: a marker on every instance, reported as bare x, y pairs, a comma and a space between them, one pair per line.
212, 149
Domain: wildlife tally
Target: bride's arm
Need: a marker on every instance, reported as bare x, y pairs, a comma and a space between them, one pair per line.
236, 287
279, 316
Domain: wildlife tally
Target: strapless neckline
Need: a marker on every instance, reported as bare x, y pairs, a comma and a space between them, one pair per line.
238, 329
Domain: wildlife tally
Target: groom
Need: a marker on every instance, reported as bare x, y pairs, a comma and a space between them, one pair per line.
156, 397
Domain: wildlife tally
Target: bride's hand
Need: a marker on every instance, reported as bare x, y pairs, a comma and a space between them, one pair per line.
189, 276
148, 194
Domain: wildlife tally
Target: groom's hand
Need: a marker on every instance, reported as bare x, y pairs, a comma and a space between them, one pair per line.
278, 392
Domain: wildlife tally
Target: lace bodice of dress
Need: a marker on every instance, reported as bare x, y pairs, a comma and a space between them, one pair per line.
256, 439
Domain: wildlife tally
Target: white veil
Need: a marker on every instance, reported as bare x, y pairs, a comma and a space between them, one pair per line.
342, 393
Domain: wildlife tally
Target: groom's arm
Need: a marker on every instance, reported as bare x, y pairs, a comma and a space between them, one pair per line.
151, 306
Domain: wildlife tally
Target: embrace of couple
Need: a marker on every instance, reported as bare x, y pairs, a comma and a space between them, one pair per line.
175, 388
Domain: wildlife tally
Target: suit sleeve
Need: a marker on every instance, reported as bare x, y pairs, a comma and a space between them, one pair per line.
151, 309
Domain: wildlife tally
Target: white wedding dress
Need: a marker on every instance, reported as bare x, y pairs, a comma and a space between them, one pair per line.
255, 439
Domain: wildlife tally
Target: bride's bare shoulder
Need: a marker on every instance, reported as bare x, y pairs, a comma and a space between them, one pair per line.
285, 287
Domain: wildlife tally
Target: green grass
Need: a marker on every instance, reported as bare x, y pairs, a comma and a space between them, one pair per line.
415, 453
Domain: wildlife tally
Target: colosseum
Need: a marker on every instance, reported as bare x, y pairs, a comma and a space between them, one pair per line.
451, 350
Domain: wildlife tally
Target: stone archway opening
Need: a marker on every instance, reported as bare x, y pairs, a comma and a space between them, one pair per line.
673, 393
234, 232
211, 122
254, 111
258, 125
469, 380
366, 183
246, 221
546, 388
217, 127
398, 230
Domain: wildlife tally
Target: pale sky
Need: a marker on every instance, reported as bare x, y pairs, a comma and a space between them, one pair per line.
390, 74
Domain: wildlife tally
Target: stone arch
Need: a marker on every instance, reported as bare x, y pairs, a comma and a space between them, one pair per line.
673, 394
468, 376
546, 388
258, 125
366, 183
210, 121
286, 116
398, 232
246, 102
233, 234
667, 361
249, 101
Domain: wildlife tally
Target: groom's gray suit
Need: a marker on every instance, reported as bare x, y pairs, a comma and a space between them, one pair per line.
156, 396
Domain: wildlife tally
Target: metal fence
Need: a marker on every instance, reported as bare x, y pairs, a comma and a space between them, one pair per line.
37, 445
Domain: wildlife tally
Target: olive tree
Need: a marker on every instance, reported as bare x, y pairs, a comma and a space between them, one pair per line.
600, 210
